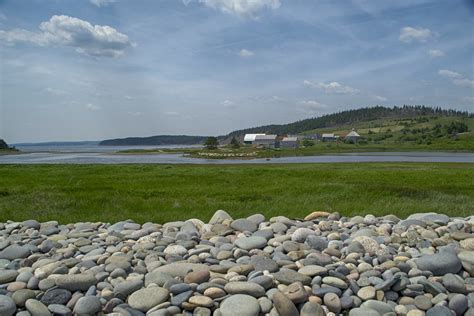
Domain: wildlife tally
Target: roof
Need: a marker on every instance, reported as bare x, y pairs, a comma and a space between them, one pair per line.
353, 134
289, 139
327, 136
265, 137
250, 137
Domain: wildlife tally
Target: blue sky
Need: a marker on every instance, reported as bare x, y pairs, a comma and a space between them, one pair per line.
86, 70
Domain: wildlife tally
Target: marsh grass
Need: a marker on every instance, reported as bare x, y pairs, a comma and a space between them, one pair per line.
161, 193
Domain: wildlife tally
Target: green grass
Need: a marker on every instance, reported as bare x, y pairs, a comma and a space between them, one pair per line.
161, 193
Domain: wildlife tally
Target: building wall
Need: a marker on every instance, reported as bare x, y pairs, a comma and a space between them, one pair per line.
264, 143
290, 144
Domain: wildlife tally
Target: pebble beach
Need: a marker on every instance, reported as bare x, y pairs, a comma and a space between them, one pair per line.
323, 264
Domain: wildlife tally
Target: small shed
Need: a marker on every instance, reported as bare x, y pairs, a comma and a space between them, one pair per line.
328, 137
267, 141
250, 138
353, 136
289, 142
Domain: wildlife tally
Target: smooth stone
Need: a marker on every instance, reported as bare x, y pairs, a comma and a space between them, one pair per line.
332, 302
296, 292
244, 304
125, 288
21, 296
36, 308
243, 225
312, 309
147, 298
363, 312
422, 302
287, 276
13, 252
248, 288
7, 306
200, 300
380, 307
200, 276
458, 303
74, 282
300, 234
366, 293
179, 299
56, 296
7, 276
249, 243
59, 310
439, 263
333, 281
262, 263
312, 270
219, 217
88, 305
284, 305
454, 283
214, 292
439, 310
180, 269
315, 215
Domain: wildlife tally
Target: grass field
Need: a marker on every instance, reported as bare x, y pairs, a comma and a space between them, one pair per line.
161, 193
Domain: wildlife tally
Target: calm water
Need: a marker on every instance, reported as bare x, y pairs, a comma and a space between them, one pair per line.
107, 157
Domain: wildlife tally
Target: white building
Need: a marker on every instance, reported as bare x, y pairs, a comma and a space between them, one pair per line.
328, 137
267, 141
353, 136
250, 138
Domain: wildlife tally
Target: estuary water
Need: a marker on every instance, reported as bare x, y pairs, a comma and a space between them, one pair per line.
106, 155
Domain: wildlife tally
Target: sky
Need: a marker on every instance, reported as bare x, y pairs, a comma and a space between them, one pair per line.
96, 69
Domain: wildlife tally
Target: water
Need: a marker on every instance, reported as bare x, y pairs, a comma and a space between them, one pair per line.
88, 148
107, 157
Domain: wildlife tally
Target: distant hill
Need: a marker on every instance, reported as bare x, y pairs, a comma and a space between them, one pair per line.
350, 117
60, 143
3, 144
154, 140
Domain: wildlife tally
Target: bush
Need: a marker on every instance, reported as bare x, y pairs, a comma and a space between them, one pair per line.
308, 142
211, 143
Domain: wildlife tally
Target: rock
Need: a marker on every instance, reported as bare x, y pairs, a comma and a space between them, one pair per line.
219, 217
248, 288
312, 309
366, 293
287, 276
439, 310
147, 298
21, 296
370, 245
296, 292
13, 252
74, 282
332, 302
422, 302
315, 215
454, 283
380, 307
363, 312
56, 296
467, 243
284, 305
244, 225
125, 288
458, 303
262, 263
253, 242
200, 276
301, 234
214, 292
312, 270
202, 301
7, 306
439, 263
36, 308
88, 305
244, 304
59, 310
467, 261
7, 276
180, 269
333, 281
175, 250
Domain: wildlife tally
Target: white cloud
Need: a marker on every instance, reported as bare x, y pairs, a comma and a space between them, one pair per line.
136, 113
241, 8
378, 98
246, 53
457, 78
312, 106
227, 103
55, 92
450, 74
93, 107
332, 87
409, 34
63, 30
468, 99
436, 53
101, 3
128, 97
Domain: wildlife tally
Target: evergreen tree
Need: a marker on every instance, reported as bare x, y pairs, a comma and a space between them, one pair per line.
211, 143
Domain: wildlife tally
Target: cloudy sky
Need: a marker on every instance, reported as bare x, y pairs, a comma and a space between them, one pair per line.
88, 70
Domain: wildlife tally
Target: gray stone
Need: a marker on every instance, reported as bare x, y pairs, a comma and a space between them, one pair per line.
458, 303
13, 252
262, 263
249, 243
363, 312
439, 310
180, 269
454, 283
56, 296
147, 298
59, 310
21, 296
439, 263
287, 276
284, 305
219, 217
332, 302
244, 225
312, 309
74, 282
36, 308
88, 305
7, 276
244, 304
7, 306
248, 288
380, 307
125, 288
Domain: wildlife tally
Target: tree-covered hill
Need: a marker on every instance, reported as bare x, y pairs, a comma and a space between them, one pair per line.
352, 117
154, 140
3, 144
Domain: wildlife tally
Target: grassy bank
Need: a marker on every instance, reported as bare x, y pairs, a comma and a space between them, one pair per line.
161, 193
